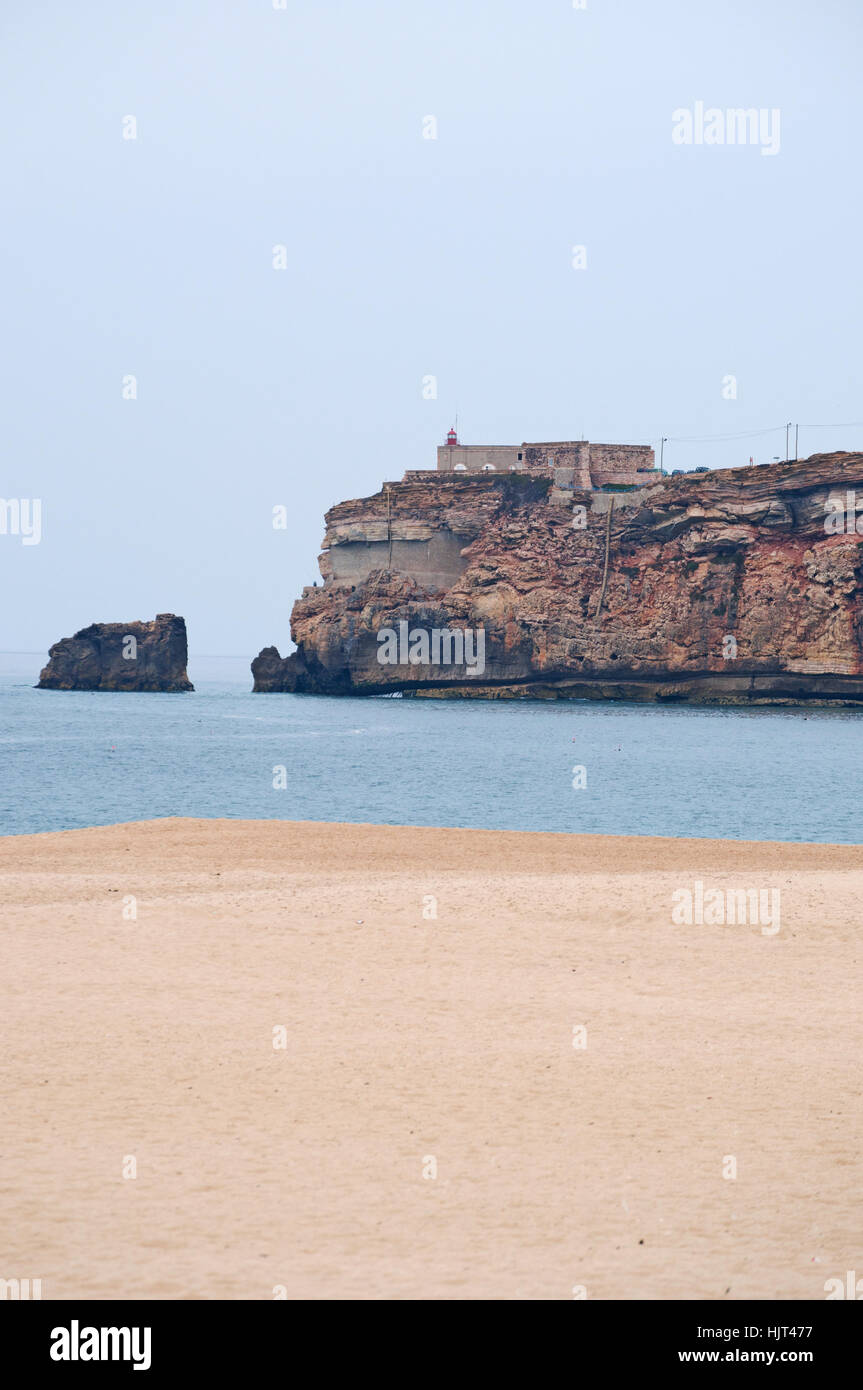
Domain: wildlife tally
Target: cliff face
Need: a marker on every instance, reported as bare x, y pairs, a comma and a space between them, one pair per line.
121, 656
740, 585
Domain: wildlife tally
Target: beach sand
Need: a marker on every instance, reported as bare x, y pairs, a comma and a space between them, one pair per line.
412, 1042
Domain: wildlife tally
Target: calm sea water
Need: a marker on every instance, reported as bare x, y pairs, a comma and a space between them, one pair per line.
76, 759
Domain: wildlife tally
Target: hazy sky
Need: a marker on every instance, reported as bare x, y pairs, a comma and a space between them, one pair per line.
406, 257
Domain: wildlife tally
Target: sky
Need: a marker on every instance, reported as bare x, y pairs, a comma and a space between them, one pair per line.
427, 169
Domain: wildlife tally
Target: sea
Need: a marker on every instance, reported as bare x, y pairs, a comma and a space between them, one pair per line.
72, 759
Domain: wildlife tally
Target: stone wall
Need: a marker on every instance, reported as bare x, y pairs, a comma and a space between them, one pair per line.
573, 455
475, 458
435, 562
591, 465
621, 464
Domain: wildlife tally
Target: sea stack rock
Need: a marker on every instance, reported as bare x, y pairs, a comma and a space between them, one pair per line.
735, 586
121, 656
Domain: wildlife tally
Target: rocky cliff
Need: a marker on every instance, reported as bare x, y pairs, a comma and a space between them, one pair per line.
121, 656
739, 585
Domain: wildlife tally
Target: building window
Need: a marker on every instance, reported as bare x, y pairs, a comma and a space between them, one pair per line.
460, 468
519, 458
551, 461
488, 468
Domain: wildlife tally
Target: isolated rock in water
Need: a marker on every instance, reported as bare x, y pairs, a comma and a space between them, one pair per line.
121, 656
738, 586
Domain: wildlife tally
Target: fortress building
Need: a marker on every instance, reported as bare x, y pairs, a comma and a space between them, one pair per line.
573, 463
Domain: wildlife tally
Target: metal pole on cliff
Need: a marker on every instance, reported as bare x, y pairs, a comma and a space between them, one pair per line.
787, 428
796, 432
661, 453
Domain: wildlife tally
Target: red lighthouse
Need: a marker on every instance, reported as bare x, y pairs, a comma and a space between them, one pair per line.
452, 438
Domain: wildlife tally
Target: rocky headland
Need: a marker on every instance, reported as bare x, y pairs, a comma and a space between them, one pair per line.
739, 585
121, 656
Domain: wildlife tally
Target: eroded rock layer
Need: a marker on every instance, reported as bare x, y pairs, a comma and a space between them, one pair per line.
739, 585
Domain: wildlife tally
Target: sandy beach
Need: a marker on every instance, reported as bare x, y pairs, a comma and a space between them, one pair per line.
325, 1089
